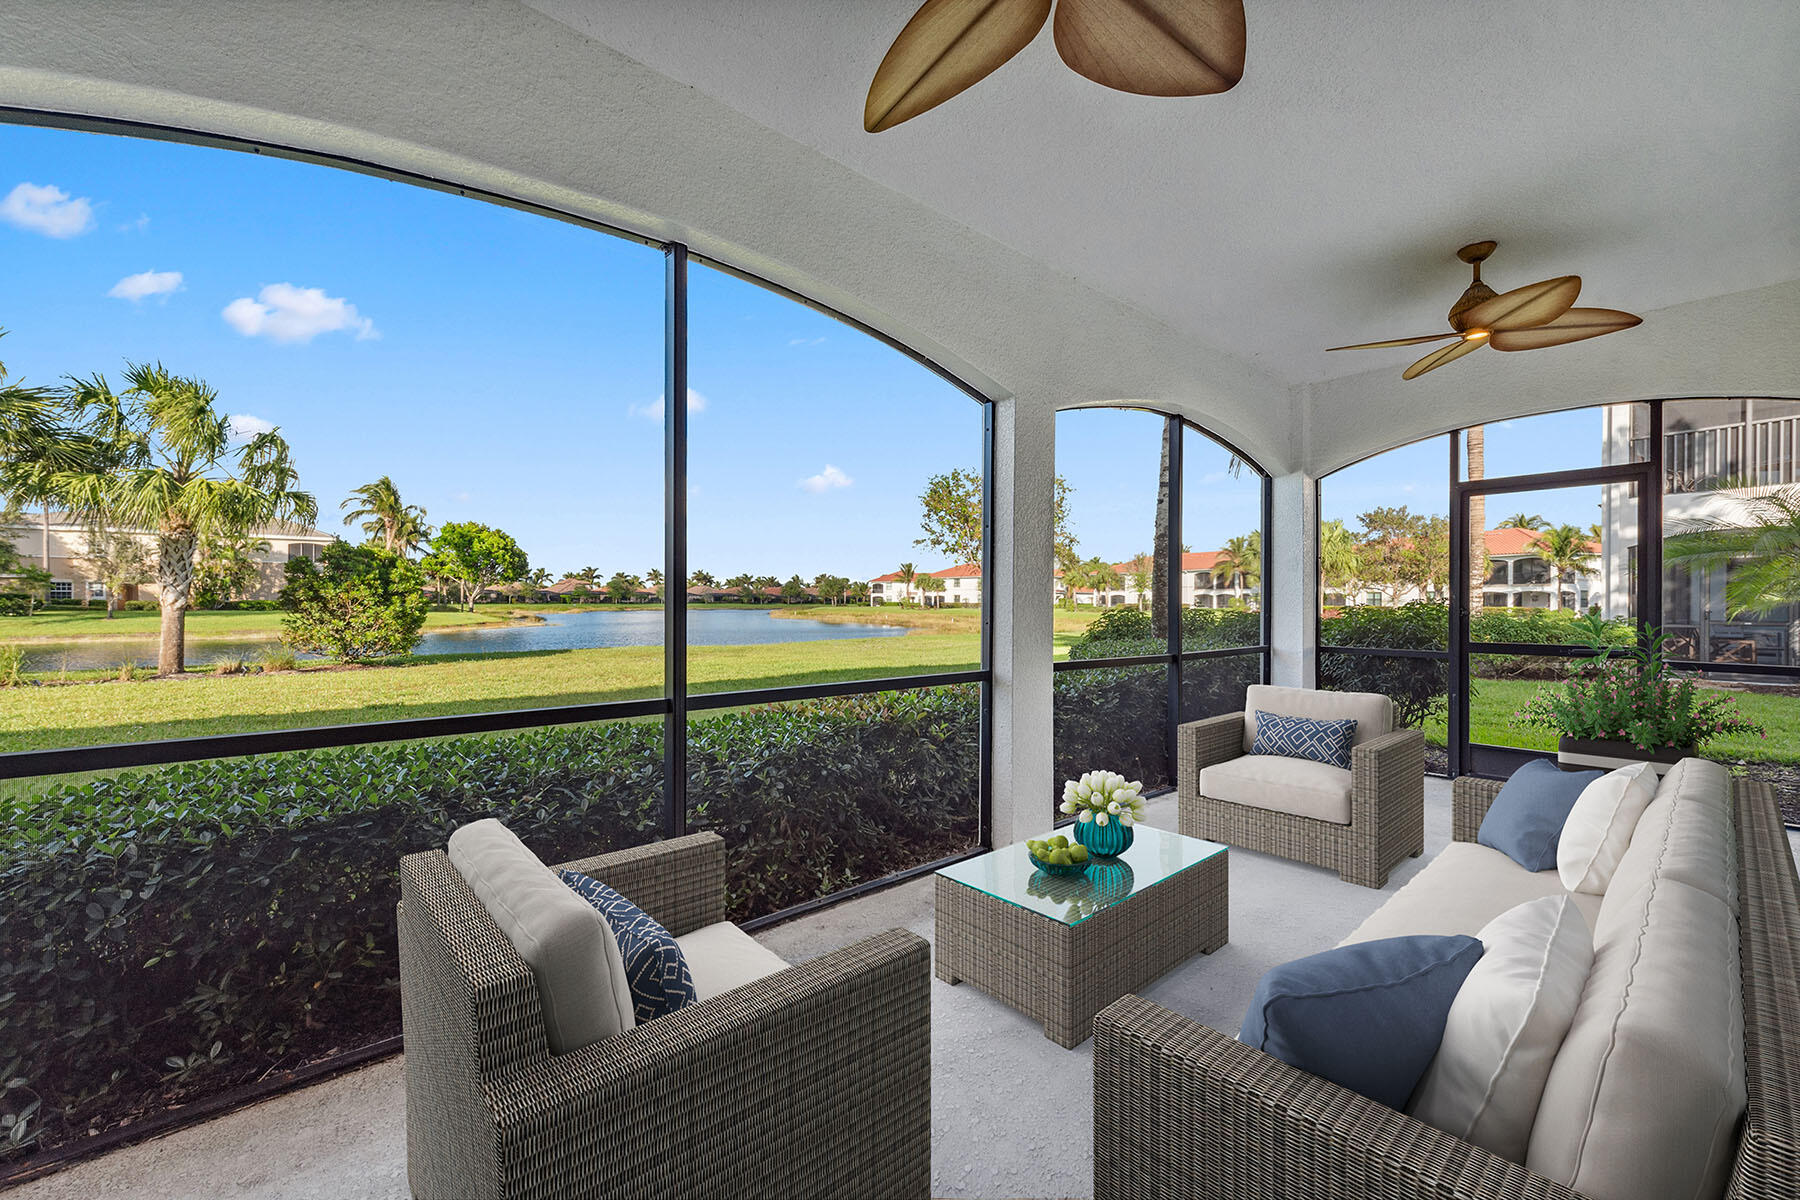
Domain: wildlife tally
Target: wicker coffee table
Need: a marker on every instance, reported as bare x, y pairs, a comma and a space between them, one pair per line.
1061, 948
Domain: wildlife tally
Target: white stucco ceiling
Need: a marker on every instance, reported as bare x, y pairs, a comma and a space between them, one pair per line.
1048, 239
1653, 148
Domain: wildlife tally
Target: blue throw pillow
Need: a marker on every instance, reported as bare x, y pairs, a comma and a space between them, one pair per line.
1367, 1016
1304, 737
1526, 819
654, 965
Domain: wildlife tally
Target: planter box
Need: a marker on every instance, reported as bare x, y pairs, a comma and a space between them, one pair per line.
1580, 754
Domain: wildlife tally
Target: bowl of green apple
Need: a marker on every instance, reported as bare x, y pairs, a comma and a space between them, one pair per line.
1057, 856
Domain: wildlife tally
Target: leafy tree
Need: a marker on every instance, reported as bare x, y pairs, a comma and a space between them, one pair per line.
1567, 550
1337, 556
18, 573
398, 526
1140, 572
622, 587
159, 456
952, 516
226, 568
359, 602
1520, 520
794, 589
475, 557
1402, 550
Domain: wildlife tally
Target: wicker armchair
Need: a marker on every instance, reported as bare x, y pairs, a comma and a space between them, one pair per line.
1387, 799
813, 1081
1192, 1112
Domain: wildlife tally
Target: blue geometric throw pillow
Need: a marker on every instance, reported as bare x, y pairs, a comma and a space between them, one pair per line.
1304, 737
654, 966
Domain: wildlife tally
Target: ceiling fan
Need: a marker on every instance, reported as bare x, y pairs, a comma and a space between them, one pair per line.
1528, 318
1149, 47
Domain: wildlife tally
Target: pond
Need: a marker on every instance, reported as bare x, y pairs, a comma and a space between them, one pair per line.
557, 631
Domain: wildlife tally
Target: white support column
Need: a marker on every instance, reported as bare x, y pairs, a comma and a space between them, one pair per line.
1022, 598
1294, 565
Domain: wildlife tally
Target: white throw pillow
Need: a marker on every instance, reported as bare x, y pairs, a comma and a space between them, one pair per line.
1598, 829
1506, 1025
572, 951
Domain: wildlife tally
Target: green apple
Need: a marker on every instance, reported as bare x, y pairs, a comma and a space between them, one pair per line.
1060, 842
1078, 853
1060, 857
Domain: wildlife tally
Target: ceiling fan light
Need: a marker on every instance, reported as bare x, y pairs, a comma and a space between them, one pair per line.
1475, 335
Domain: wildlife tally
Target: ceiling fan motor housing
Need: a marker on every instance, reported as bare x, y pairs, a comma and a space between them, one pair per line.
1478, 293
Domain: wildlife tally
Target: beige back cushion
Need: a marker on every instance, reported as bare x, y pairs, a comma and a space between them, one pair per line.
1645, 1096
569, 946
1372, 712
1600, 827
1686, 834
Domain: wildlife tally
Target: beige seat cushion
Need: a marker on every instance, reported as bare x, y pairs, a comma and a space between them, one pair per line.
1290, 785
570, 948
1460, 891
1645, 1095
1372, 712
721, 957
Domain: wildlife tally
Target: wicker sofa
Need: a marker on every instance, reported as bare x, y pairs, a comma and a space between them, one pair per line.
1193, 1112
1359, 823
812, 1081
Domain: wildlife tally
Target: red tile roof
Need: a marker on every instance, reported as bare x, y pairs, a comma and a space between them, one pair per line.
1518, 541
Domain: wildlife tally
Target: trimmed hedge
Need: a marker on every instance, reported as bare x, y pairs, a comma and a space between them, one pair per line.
174, 932
1123, 632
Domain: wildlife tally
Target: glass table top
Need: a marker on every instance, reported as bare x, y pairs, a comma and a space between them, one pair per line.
1007, 874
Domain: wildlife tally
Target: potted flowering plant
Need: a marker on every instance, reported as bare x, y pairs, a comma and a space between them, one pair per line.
1619, 708
1106, 806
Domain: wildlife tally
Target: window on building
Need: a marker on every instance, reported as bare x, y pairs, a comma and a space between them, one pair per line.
62, 589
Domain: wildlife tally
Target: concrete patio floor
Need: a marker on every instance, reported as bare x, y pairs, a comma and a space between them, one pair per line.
1011, 1110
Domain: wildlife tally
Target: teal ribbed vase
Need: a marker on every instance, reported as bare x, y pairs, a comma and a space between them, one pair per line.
1106, 840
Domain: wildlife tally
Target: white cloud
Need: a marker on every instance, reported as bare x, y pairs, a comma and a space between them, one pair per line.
826, 480
46, 209
287, 313
146, 283
653, 411
138, 226
806, 341
244, 426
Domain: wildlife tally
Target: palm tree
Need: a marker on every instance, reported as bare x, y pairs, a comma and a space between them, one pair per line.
654, 575
907, 575
539, 577
1566, 549
169, 466
1762, 548
1529, 521
1242, 556
1337, 555
930, 584
702, 579
1095, 573
400, 527
589, 576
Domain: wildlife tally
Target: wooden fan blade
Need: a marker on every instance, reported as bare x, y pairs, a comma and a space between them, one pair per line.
1154, 47
1523, 308
1412, 341
1442, 355
1572, 326
949, 45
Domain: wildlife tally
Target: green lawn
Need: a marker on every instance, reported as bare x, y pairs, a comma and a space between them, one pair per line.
1495, 700
90, 713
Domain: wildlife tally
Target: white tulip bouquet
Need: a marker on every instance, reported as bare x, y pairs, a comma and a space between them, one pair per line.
1104, 797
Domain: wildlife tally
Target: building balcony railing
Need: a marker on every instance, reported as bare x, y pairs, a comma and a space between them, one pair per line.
1743, 454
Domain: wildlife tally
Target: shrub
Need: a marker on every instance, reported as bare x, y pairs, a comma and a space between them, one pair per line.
12, 664
1123, 632
141, 606
1113, 719
276, 658
359, 602
249, 903
15, 604
1630, 697
1419, 687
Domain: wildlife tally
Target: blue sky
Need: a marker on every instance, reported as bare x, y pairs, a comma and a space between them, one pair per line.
1417, 476
507, 368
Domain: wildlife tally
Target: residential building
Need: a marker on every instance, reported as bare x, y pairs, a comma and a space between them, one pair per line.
58, 541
